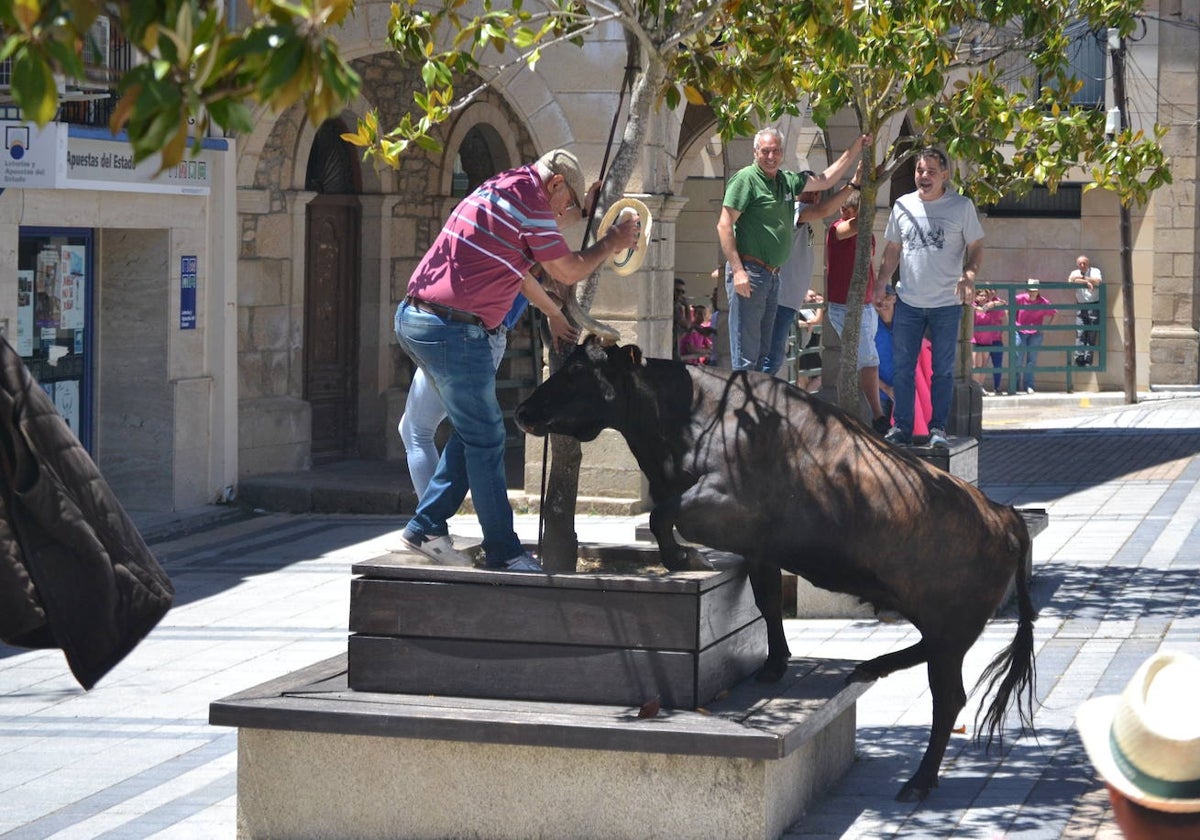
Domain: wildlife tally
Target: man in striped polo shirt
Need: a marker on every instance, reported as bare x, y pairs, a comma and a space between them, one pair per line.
457, 296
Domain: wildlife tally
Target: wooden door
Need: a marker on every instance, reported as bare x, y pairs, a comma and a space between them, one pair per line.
331, 326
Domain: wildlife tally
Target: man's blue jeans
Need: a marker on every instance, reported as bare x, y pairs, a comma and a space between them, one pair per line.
458, 359
751, 320
1027, 355
908, 328
785, 318
423, 413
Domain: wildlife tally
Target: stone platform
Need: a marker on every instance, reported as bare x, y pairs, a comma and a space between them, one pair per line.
317, 759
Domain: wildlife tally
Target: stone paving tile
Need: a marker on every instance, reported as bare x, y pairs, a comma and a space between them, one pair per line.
1115, 580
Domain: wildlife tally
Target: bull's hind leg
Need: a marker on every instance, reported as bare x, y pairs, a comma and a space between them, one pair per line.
767, 583
949, 697
881, 666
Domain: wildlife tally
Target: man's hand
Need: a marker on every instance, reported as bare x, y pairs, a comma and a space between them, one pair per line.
965, 289
624, 234
565, 333
741, 282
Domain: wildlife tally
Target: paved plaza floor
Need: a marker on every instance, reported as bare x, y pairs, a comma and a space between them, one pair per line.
1116, 577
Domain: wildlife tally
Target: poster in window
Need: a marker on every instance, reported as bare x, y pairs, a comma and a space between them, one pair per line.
71, 287
66, 400
47, 306
25, 312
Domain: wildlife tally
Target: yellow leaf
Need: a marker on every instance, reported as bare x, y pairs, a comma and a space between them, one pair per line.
120, 114
172, 152
693, 96
339, 9
26, 13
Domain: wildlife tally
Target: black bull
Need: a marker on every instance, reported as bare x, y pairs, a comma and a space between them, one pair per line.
745, 463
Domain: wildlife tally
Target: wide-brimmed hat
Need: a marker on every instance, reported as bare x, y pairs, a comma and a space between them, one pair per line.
629, 260
1145, 742
561, 162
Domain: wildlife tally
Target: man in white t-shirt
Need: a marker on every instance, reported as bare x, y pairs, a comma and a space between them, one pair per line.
1087, 276
934, 236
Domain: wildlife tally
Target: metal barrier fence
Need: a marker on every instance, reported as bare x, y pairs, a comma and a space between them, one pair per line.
798, 364
1066, 321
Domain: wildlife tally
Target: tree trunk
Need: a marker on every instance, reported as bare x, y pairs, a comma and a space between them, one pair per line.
560, 543
849, 396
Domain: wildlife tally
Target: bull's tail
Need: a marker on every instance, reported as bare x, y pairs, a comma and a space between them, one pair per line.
1011, 672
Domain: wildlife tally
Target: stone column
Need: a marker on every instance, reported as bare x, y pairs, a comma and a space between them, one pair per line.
379, 403
1175, 303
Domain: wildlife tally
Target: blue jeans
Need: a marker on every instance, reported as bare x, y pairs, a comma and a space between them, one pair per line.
908, 328
423, 413
751, 320
458, 359
785, 317
1027, 358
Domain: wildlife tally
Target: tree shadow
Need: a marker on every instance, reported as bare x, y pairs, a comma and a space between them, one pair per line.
1027, 785
1063, 461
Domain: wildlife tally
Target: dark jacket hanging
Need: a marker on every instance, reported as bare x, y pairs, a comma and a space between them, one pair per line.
74, 571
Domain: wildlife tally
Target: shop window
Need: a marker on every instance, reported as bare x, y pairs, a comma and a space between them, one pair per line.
53, 329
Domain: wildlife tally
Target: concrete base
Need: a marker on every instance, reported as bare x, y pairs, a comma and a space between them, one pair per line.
316, 760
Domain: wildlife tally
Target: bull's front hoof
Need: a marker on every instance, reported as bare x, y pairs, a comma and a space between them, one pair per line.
914, 791
861, 675
771, 672
685, 559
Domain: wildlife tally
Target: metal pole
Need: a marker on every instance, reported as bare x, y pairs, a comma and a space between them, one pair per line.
1118, 59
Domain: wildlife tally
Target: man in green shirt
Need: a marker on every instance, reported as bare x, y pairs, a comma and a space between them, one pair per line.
755, 232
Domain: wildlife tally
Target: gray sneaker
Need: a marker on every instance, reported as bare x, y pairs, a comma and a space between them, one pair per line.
897, 437
937, 437
523, 562
440, 550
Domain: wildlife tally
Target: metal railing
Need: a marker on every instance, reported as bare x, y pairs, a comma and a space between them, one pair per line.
1055, 345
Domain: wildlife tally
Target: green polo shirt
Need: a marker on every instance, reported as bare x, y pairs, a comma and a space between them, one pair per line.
768, 208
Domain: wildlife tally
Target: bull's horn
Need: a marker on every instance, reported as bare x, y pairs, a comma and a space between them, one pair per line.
629, 260
586, 322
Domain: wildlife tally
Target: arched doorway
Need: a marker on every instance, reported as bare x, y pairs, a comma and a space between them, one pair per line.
331, 293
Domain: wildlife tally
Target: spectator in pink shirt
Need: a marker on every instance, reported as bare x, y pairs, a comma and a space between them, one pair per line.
1029, 337
988, 316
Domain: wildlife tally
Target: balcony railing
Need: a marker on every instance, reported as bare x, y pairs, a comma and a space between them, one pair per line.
90, 101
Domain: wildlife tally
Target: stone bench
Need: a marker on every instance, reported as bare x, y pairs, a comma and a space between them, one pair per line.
317, 759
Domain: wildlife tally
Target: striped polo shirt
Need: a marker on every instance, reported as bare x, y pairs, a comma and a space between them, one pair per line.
493, 237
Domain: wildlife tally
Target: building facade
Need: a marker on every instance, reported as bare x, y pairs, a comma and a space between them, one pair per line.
247, 329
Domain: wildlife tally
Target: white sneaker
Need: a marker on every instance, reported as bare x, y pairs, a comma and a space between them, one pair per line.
523, 562
440, 550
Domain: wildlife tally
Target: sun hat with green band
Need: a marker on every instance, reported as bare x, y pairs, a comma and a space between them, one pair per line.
1145, 742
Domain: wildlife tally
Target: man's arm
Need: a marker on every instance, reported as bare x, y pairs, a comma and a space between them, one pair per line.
834, 172
560, 327
825, 207
728, 241
887, 265
965, 287
580, 265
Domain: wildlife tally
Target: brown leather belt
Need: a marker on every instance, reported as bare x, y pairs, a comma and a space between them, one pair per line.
746, 258
446, 313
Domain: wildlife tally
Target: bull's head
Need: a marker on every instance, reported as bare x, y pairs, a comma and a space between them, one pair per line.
579, 400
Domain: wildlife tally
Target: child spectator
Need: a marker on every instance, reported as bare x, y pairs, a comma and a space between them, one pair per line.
988, 314
696, 344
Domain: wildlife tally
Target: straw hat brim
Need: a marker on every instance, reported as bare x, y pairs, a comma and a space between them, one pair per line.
629, 260
1094, 719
